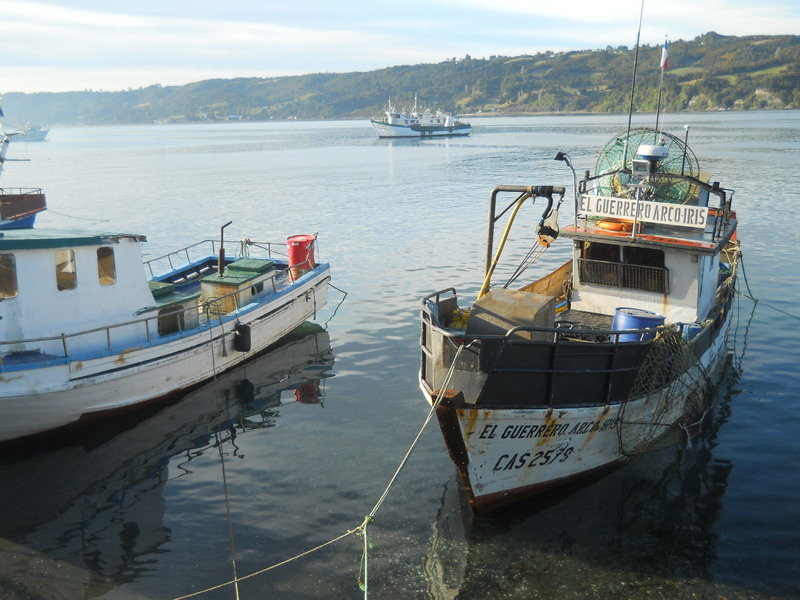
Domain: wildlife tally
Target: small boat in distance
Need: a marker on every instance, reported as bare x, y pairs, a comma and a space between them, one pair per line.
608, 355
419, 124
88, 328
19, 207
28, 133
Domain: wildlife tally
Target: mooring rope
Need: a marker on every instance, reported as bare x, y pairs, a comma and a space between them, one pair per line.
361, 530
344, 296
752, 297
363, 579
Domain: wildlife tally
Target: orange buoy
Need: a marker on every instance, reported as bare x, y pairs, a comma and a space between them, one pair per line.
621, 225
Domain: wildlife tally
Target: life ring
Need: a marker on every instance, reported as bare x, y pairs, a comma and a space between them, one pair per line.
619, 225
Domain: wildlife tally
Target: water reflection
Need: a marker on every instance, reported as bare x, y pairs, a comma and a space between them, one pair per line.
94, 499
649, 525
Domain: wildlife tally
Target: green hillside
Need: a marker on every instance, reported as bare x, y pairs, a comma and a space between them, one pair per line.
711, 72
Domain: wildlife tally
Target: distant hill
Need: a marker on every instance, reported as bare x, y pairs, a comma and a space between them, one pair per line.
710, 72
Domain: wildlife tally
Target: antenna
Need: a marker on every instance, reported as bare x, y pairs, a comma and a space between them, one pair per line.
633, 82
661, 80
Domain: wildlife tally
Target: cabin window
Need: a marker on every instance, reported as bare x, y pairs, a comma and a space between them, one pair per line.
66, 277
624, 267
8, 276
106, 267
646, 257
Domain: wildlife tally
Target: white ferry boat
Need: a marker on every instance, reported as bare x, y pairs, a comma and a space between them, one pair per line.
419, 124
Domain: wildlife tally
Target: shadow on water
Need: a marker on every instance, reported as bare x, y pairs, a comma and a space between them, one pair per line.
88, 509
644, 530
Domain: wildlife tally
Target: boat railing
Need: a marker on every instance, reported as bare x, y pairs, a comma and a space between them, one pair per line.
205, 248
621, 275
20, 191
440, 308
159, 324
554, 334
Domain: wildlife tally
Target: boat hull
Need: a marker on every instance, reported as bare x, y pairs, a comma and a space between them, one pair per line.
37, 398
513, 445
30, 134
389, 130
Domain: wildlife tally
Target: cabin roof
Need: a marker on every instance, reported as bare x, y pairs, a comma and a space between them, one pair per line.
34, 239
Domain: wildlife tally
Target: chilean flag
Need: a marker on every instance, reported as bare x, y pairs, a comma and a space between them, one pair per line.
665, 57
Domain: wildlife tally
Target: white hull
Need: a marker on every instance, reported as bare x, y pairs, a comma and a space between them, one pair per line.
41, 399
508, 454
388, 130
580, 370
29, 133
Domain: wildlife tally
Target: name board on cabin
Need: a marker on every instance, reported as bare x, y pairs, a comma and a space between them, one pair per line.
649, 212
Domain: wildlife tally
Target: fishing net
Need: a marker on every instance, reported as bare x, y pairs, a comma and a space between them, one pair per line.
616, 157
674, 384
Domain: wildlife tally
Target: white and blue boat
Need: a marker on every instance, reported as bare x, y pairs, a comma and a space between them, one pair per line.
87, 327
427, 123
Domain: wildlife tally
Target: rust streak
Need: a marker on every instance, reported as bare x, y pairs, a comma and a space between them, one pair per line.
550, 424
120, 360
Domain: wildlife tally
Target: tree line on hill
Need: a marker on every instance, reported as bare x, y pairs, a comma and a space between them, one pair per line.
710, 72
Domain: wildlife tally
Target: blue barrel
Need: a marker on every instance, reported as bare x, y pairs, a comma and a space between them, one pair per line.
636, 318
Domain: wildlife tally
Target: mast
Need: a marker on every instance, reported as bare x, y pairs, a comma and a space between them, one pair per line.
633, 84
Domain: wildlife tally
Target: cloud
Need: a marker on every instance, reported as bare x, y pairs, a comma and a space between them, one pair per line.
55, 46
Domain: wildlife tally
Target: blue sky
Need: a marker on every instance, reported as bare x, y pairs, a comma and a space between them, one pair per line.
64, 45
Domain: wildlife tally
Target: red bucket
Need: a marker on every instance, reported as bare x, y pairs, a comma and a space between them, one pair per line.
309, 393
301, 254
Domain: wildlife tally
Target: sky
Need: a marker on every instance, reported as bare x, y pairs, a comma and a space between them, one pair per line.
110, 45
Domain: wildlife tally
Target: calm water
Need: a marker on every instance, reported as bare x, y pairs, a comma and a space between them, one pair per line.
295, 449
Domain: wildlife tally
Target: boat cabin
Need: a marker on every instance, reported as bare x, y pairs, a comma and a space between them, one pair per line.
635, 237
58, 283
67, 293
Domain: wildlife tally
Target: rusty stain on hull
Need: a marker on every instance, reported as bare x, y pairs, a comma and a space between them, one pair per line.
550, 422
122, 357
446, 414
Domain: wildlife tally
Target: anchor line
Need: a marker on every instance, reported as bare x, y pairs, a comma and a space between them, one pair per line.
361, 530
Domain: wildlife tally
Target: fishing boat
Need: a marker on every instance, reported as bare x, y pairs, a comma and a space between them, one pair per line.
609, 355
419, 124
29, 133
88, 328
122, 469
